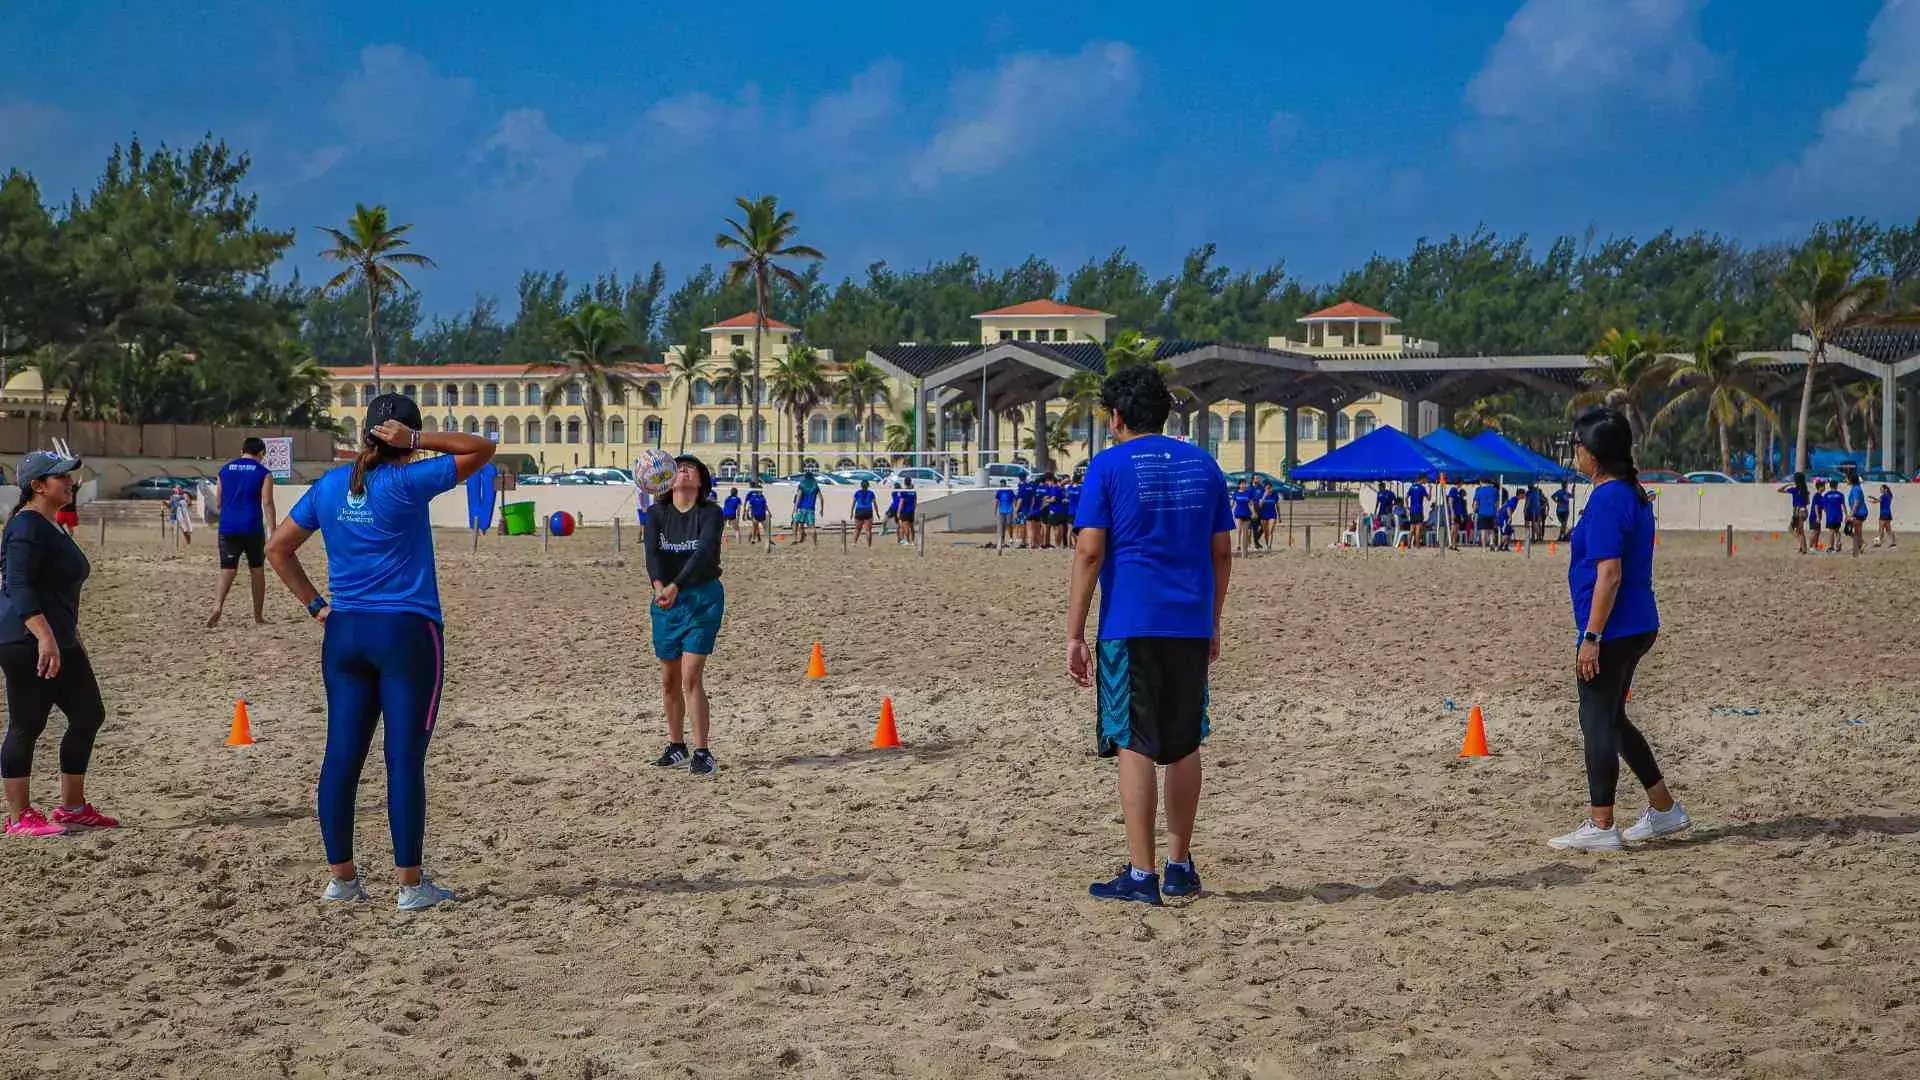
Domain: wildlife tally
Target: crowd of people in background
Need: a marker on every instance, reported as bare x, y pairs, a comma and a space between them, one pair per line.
1039, 511
1836, 512
1489, 516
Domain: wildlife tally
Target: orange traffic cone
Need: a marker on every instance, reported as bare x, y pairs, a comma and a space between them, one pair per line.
1629, 693
1475, 744
817, 666
886, 736
241, 733
1553, 547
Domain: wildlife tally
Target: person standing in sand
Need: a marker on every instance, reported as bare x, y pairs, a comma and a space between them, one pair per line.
245, 493
864, 502
1886, 519
382, 652
1611, 581
180, 508
683, 564
1156, 533
45, 664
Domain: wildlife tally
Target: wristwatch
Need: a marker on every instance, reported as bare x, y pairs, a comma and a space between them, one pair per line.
316, 605
1590, 638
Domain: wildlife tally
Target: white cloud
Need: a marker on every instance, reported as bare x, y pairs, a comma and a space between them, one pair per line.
1032, 102
528, 170
698, 119
1559, 59
842, 121
1867, 150
394, 99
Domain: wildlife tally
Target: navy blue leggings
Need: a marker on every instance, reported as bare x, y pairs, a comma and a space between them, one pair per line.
374, 664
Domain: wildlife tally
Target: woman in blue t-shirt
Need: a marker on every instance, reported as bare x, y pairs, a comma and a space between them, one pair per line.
1886, 519
1611, 581
863, 506
1797, 520
382, 652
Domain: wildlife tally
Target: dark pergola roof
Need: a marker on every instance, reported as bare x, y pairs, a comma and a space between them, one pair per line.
1885, 344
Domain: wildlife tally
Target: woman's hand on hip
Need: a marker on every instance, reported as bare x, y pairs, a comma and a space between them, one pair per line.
1588, 666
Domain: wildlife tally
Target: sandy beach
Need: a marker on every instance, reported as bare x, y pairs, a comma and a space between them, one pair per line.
1376, 907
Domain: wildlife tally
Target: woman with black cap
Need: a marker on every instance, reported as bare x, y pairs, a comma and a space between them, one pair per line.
1611, 579
41, 571
382, 653
683, 563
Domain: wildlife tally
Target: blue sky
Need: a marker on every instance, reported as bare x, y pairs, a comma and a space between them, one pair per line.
585, 136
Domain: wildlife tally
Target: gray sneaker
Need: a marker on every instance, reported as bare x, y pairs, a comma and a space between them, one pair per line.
351, 889
1655, 823
424, 895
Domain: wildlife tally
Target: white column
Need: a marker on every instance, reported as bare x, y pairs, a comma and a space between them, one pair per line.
1889, 394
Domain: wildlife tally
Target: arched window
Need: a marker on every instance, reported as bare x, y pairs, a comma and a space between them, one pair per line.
1216, 428
473, 425
490, 394
533, 393
846, 463
573, 429
1309, 424
429, 423
1364, 422
513, 393
533, 429
512, 431
553, 429
491, 429
347, 429
323, 398
1343, 425
1237, 426
1080, 431
702, 429
1176, 425
653, 429
616, 430
573, 393
817, 429
411, 391
810, 465
366, 394
729, 468
760, 429
431, 396
616, 394
472, 394
702, 392
652, 394
876, 429
727, 430
844, 430
452, 394
723, 394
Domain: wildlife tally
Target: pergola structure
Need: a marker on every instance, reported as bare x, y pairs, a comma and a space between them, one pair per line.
1007, 375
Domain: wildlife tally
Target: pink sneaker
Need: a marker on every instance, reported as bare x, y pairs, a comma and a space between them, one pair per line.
32, 823
86, 817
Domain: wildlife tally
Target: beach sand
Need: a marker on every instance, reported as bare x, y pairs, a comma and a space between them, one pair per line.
1376, 907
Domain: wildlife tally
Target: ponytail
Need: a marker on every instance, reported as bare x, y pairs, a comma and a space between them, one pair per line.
1631, 474
374, 454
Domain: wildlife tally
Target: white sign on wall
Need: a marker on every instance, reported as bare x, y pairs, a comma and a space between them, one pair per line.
279, 460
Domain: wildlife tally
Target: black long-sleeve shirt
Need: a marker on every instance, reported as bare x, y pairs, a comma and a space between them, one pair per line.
41, 571
683, 548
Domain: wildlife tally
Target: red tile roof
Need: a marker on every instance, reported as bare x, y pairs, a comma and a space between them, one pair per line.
1347, 309
437, 372
745, 322
1040, 307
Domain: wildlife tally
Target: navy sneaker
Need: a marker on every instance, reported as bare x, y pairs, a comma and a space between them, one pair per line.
676, 754
1181, 880
1124, 887
702, 764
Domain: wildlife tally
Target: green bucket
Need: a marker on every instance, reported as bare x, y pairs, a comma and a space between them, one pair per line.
519, 518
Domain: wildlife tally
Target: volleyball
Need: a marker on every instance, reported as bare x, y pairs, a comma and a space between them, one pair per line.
653, 471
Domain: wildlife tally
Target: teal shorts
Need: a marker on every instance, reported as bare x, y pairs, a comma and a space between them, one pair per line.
803, 517
692, 624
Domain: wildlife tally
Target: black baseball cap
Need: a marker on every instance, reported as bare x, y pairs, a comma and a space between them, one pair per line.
391, 406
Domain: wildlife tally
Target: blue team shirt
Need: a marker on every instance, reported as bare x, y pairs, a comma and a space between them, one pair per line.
1073, 500
380, 543
1457, 502
1003, 500
1886, 506
1835, 505
731, 508
863, 501
1417, 502
757, 504
1561, 500
1026, 497
240, 483
1243, 505
1486, 499
804, 500
1799, 498
1857, 501
1270, 504
1161, 502
905, 500
1616, 525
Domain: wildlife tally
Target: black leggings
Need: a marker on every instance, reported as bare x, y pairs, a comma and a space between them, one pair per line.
30, 700
1610, 737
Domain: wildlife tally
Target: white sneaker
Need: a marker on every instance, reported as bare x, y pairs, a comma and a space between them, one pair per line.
1657, 823
423, 896
1588, 837
350, 889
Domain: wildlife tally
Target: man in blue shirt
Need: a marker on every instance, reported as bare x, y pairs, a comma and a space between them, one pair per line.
1157, 535
244, 491
806, 503
1003, 505
1563, 507
1486, 504
730, 512
1834, 504
1457, 513
906, 502
756, 511
1417, 509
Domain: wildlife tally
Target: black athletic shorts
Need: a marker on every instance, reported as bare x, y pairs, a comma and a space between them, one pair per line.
1153, 696
1483, 523
906, 516
863, 515
234, 545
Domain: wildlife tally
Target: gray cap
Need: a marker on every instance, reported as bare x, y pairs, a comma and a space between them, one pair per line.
44, 463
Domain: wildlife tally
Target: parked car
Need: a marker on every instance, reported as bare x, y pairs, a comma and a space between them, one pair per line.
854, 476
1661, 476
1007, 474
1289, 491
920, 475
604, 475
534, 479
158, 487
1707, 476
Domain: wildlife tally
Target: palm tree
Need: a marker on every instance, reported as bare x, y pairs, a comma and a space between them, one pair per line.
1492, 413
1715, 377
863, 387
371, 248
761, 235
734, 379
596, 358
900, 432
960, 414
1625, 369
1015, 416
686, 366
1828, 300
1866, 404
798, 385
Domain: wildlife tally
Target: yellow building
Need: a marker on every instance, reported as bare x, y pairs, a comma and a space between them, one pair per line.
505, 401
26, 395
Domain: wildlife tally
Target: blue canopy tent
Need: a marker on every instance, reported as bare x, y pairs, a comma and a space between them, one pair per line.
1482, 463
1382, 454
1533, 465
